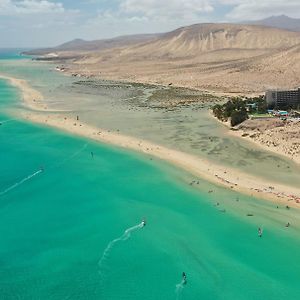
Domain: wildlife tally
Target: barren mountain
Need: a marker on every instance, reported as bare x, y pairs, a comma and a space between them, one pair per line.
282, 22
196, 39
79, 45
218, 57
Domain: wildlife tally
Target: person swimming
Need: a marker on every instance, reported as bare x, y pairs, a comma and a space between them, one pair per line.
143, 222
260, 232
184, 281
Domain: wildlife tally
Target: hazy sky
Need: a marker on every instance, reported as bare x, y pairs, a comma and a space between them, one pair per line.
36, 23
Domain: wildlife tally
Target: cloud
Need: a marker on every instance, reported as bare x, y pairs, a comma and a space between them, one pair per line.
258, 9
146, 16
155, 9
25, 7
24, 22
190, 11
37, 23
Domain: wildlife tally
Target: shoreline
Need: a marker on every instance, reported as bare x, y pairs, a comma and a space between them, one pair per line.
239, 134
217, 174
277, 150
31, 97
69, 72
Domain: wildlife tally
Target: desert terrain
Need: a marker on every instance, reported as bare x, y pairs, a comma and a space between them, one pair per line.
217, 59
274, 134
228, 58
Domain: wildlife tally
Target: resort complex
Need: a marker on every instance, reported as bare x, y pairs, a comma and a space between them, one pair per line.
283, 99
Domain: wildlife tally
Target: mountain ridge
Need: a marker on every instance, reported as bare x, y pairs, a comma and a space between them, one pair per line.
207, 36
95, 45
191, 40
281, 22
222, 57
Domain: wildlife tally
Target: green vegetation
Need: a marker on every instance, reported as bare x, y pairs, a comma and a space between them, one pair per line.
260, 104
238, 117
175, 97
237, 109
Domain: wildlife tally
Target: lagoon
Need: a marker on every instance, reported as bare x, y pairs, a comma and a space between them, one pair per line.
56, 225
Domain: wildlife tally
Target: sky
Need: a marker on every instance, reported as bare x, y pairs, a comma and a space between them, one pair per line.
43, 23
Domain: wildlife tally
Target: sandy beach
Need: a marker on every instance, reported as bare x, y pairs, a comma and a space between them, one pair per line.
32, 98
272, 139
275, 135
200, 168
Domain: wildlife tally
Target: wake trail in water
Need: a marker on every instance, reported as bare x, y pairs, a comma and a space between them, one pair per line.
179, 288
6, 121
17, 184
126, 235
70, 157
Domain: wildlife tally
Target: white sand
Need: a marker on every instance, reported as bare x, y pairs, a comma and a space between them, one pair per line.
31, 97
228, 177
283, 141
275, 135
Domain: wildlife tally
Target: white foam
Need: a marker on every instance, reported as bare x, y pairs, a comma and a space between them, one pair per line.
70, 157
179, 288
39, 171
20, 182
126, 235
6, 121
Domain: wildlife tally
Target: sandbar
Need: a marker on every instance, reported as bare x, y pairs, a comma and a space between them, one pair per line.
199, 167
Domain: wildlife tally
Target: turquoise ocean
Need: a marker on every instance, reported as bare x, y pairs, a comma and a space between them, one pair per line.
70, 225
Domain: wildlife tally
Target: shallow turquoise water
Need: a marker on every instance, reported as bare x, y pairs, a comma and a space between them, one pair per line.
190, 129
12, 54
56, 225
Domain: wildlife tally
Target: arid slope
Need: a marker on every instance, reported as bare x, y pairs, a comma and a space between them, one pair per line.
216, 57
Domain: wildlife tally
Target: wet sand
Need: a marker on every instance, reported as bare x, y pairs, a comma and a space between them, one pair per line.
32, 98
225, 176
175, 118
273, 142
283, 139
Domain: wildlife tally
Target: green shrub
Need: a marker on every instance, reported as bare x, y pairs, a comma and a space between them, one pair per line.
237, 117
235, 109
